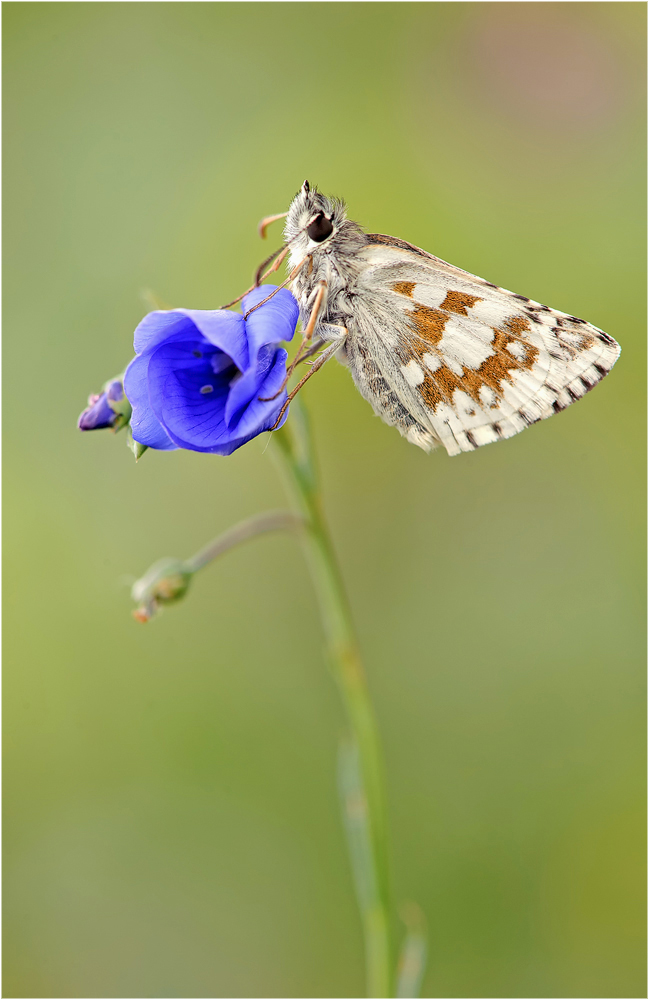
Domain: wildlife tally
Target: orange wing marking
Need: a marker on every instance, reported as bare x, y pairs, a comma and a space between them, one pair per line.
439, 386
404, 287
457, 302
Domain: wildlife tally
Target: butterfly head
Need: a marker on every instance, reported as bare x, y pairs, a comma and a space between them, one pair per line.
312, 221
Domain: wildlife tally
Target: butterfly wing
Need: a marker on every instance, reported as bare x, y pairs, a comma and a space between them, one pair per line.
452, 359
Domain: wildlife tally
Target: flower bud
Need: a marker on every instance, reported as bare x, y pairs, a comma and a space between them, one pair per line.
164, 583
110, 408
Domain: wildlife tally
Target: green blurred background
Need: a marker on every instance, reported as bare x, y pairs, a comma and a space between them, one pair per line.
171, 817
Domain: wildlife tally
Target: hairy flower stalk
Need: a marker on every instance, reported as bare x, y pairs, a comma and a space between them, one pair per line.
361, 760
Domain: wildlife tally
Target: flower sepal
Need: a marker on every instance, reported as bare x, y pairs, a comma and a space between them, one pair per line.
119, 404
135, 446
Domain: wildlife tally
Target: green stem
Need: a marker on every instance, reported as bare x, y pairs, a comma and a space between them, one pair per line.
258, 524
294, 445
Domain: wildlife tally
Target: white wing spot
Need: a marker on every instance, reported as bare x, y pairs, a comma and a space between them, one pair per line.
429, 295
455, 366
432, 361
413, 373
570, 339
492, 311
517, 349
467, 343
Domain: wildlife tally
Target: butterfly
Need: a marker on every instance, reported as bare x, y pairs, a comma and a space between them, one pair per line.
444, 356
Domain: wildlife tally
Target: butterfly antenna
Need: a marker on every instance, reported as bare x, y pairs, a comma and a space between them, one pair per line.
266, 222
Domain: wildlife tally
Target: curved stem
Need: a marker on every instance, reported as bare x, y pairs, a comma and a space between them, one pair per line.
168, 580
361, 761
258, 524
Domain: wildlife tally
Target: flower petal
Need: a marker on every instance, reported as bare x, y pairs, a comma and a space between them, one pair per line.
160, 325
260, 416
145, 427
193, 418
247, 387
272, 322
225, 329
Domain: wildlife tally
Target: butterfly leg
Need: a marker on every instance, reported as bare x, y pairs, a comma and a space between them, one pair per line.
260, 274
324, 357
321, 341
302, 353
316, 345
315, 312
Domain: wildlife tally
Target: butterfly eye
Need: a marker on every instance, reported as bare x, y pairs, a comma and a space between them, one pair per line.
320, 228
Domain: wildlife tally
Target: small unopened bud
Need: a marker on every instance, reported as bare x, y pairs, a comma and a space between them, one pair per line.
166, 582
110, 408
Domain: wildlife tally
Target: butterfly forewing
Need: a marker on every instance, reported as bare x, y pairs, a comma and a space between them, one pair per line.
450, 358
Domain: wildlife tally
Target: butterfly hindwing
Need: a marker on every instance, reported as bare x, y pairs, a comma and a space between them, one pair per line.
450, 358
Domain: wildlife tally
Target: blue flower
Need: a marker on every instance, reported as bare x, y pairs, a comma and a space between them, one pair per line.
198, 374
108, 409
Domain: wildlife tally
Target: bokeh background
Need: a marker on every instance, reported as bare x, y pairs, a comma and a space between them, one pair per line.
171, 816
